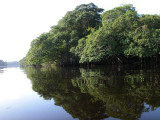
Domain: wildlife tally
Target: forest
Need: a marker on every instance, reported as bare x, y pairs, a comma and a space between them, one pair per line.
2, 63
89, 35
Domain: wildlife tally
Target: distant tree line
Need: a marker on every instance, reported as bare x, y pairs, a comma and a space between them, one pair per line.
88, 36
2, 63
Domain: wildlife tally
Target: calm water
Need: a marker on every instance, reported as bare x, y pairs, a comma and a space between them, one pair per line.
109, 93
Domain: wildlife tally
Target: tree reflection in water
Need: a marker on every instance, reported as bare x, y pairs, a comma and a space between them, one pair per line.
98, 93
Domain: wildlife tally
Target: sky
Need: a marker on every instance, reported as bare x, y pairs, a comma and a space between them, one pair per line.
21, 21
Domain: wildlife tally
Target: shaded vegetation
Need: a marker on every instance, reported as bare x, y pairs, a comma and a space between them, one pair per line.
97, 93
88, 36
2, 63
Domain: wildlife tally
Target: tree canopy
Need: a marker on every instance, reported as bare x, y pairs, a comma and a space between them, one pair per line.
88, 36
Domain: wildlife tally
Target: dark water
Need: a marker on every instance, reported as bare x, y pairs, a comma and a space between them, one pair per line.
97, 93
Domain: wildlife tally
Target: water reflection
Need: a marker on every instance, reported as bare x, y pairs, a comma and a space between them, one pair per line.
11, 88
98, 93
1, 69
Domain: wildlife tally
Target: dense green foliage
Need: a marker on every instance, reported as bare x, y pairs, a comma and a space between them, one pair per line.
2, 63
86, 35
98, 93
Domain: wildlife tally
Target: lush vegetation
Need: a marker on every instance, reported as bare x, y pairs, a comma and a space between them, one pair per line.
98, 93
2, 63
88, 36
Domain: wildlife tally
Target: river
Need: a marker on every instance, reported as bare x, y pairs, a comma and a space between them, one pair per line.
95, 93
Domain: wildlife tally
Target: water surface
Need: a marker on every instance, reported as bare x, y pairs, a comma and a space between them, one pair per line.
108, 92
